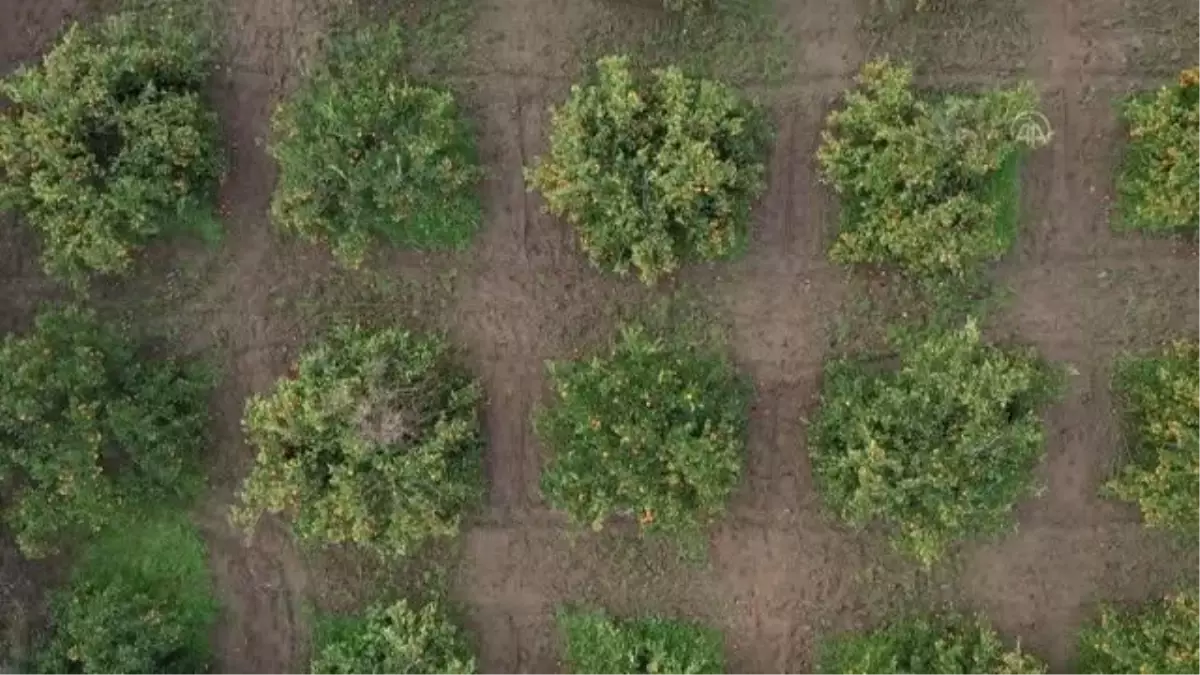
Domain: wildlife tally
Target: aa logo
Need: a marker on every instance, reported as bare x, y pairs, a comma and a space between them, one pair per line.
1031, 128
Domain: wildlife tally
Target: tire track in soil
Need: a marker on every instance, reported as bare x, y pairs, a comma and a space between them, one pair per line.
1032, 585
782, 586
1047, 313
261, 581
500, 321
528, 296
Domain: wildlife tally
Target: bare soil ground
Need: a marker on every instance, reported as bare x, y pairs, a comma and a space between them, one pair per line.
779, 573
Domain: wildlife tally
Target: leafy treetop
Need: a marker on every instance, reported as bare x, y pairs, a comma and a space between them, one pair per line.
655, 430
927, 184
1160, 637
373, 440
654, 171
597, 643
1157, 183
926, 644
139, 601
109, 140
1161, 397
87, 428
365, 155
941, 448
392, 639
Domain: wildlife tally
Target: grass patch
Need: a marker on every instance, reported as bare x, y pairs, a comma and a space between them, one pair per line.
1003, 191
739, 41
140, 600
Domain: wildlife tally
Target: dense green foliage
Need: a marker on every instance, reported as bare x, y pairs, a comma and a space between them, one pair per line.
1157, 184
86, 426
597, 643
927, 184
944, 644
687, 6
392, 639
653, 172
1160, 638
939, 449
655, 429
1161, 397
373, 440
140, 601
364, 154
109, 142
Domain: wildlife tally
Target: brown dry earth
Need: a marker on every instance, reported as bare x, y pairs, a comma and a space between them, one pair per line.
780, 573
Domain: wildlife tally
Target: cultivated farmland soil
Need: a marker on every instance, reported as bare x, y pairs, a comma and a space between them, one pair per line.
780, 572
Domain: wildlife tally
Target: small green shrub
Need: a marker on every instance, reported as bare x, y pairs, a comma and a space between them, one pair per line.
599, 644
392, 639
927, 184
374, 441
87, 427
653, 172
109, 142
1159, 638
940, 449
1161, 397
364, 154
140, 601
655, 429
1157, 185
943, 644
